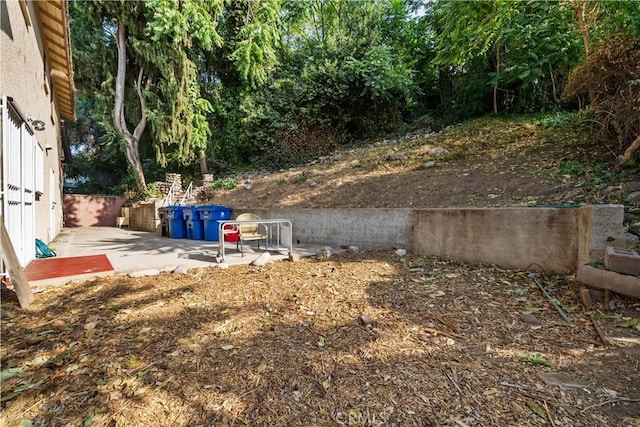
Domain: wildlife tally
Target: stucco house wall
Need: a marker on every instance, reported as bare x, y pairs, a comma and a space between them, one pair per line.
28, 80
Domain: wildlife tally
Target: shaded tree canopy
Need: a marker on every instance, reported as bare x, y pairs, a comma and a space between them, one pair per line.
223, 83
158, 44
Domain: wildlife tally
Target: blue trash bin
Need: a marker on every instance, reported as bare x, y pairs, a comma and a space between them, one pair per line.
190, 213
195, 230
177, 225
211, 215
195, 226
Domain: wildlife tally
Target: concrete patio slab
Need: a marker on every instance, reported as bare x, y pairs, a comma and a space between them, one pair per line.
130, 251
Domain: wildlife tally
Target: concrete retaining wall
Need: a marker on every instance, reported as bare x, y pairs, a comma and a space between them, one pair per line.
560, 239
509, 237
600, 226
557, 239
365, 228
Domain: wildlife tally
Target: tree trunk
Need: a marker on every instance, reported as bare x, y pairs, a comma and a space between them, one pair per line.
495, 87
630, 151
582, 15
131, 139
586, 19
203, 162
553, 85
445, 86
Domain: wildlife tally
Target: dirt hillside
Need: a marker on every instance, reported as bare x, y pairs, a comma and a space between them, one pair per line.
484, 162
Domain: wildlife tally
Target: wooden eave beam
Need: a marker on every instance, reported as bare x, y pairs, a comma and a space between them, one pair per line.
54, 27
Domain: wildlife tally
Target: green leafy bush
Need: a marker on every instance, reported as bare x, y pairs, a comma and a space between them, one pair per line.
225, 183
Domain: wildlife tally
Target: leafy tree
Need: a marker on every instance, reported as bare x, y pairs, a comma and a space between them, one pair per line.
96, 164
237, 68
345, 72
156, 82
277, 81
153, 80
527, 45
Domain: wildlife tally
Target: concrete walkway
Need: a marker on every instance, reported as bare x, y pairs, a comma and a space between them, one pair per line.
131, 250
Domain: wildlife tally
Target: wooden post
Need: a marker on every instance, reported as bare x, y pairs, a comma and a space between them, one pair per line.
18, 278
585, 297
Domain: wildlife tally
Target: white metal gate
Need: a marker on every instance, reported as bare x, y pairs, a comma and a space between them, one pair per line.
18, 181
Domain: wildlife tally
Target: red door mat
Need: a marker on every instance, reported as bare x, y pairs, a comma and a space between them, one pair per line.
49, 268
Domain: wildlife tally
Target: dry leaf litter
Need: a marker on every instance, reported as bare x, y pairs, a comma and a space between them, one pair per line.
367, 339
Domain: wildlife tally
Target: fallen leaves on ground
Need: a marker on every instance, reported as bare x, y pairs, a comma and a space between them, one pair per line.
284, 344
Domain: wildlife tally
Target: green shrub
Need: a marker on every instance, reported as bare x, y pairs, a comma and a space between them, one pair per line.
225, 183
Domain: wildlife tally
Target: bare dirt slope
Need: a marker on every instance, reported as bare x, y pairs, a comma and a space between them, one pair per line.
485, 162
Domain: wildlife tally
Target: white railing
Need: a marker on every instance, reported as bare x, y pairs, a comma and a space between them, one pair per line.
188, 195
170, 197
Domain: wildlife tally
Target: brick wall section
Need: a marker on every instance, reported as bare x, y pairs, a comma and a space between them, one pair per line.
88, 211
163, 187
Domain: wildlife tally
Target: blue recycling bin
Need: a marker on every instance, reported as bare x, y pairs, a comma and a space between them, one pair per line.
177, 225
190, 213
195, 230
211, 215
195, 226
